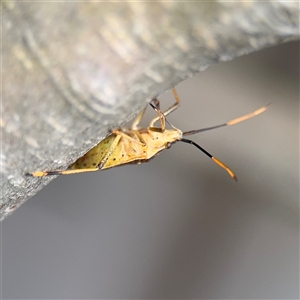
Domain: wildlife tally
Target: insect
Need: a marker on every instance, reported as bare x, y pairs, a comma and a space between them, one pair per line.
134, 145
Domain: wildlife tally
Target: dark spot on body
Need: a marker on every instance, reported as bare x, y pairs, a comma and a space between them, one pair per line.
94, 164
84, 165
114, 159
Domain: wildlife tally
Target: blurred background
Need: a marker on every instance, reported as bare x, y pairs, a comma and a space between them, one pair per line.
178, 227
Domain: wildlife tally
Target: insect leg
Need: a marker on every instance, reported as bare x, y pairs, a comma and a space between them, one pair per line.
175, 105
126, 136
161, 117
137, 119
139, 136
58, 172
170, 109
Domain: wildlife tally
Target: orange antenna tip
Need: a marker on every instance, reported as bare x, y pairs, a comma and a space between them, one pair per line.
248, 116
219, 163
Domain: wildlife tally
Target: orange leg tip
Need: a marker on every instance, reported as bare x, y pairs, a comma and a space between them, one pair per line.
36, 174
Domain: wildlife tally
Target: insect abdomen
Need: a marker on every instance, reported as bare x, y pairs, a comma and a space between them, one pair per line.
93, 157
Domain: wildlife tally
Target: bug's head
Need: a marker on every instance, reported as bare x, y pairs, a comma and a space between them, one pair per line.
164, 140
171, 136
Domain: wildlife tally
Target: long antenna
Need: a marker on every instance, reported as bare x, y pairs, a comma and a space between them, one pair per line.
231, 122
218, 162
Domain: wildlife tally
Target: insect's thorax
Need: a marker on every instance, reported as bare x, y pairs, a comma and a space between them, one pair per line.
158, 141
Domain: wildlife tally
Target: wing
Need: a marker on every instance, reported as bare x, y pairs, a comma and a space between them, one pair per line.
93, 157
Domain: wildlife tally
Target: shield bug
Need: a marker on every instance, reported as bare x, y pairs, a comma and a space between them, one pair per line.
138, 145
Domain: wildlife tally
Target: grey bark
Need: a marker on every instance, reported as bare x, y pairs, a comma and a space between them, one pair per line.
72, 71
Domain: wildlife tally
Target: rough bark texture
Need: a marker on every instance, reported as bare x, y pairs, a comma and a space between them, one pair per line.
72, 71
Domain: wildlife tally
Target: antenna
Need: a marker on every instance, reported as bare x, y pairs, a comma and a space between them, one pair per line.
218, 162
231, 122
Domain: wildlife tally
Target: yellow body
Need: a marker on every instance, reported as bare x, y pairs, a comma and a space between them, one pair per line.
127, 151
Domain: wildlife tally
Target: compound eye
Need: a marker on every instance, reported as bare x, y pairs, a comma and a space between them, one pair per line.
168, 145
